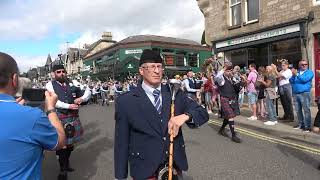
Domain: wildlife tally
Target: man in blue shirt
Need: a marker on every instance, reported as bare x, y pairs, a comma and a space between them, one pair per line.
301, 82
25, 131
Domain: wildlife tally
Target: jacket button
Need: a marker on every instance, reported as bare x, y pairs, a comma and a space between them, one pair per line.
132, 154
166, 152
164, 138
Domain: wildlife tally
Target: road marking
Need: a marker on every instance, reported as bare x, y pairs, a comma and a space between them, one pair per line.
273, 140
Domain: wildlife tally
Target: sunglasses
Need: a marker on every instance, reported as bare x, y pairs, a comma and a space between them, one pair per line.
60, 71
303, 64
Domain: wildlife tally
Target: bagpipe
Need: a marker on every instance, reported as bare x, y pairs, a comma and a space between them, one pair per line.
211, 66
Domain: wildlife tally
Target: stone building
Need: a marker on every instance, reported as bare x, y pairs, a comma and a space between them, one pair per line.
262, 31
73, 61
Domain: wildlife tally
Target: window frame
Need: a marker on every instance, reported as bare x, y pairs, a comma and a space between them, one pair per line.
316, 3
246, 13
230, 12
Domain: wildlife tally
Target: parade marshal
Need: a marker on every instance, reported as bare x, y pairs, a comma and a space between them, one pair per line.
143, 122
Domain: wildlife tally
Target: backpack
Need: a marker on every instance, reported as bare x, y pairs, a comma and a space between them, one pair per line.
257, 84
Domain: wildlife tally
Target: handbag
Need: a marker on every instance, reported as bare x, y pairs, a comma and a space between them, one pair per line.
271, 93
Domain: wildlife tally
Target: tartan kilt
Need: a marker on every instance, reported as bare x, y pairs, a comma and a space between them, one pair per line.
229, 110
73, 119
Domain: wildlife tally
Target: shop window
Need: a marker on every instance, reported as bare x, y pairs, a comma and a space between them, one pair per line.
316, 2
235, 12
238, 57
252, 10
288, 49
179, 60
169, 60
193, 60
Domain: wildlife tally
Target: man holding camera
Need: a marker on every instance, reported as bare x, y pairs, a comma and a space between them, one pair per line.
25, 131
67, 109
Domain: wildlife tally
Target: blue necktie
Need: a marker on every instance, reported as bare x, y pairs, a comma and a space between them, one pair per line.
157, 102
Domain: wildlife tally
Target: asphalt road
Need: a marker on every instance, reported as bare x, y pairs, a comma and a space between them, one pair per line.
210, 156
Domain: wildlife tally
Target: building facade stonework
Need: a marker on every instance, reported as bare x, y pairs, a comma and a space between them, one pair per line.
262, 31
271, 12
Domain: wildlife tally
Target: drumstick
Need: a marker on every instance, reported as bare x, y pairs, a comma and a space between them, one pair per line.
171, 146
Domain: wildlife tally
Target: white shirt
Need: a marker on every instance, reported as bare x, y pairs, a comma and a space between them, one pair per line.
149, 91
301, 72
219, 78
187, 86
63, 105
287, 74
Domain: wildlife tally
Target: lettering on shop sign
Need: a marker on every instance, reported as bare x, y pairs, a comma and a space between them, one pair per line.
86, 68
133, 51
259, 36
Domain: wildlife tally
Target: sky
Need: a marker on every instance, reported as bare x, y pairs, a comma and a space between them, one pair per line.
31, 29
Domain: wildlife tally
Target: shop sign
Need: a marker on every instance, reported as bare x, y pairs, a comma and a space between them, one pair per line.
133, 51
130, 66
259, 36
86, 68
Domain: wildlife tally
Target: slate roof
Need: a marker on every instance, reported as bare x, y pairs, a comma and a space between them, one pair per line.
143, 38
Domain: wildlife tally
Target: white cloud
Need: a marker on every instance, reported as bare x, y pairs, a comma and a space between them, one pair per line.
27, 62
37, 18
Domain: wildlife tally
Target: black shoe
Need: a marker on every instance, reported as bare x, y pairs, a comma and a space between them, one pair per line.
291, 118
319, 167
69, 169
63, 176
223, 133
236, 139
283, 118
307, 130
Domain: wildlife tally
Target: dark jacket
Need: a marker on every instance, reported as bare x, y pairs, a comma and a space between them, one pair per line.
141, 134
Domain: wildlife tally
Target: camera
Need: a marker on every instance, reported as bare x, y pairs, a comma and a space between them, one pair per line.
34, 97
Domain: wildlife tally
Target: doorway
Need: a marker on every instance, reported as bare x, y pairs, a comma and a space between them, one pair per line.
317, 63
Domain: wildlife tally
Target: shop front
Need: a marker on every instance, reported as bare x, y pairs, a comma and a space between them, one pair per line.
265, 46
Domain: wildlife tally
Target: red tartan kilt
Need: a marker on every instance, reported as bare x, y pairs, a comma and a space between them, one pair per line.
227, 111
72, 118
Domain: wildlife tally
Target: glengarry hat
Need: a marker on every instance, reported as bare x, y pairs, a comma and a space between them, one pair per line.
57, 67
150, 56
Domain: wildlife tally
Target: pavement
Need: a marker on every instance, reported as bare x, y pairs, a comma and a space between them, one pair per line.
210, 156
282, 130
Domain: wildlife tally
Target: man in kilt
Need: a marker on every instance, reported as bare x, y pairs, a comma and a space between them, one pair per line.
67, 109
229, 89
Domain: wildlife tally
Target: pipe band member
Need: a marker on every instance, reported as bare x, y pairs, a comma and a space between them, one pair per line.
143, 120
229, 90
190, 85
67, 108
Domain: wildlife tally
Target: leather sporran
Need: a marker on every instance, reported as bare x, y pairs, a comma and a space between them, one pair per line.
163, 173
69, 130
